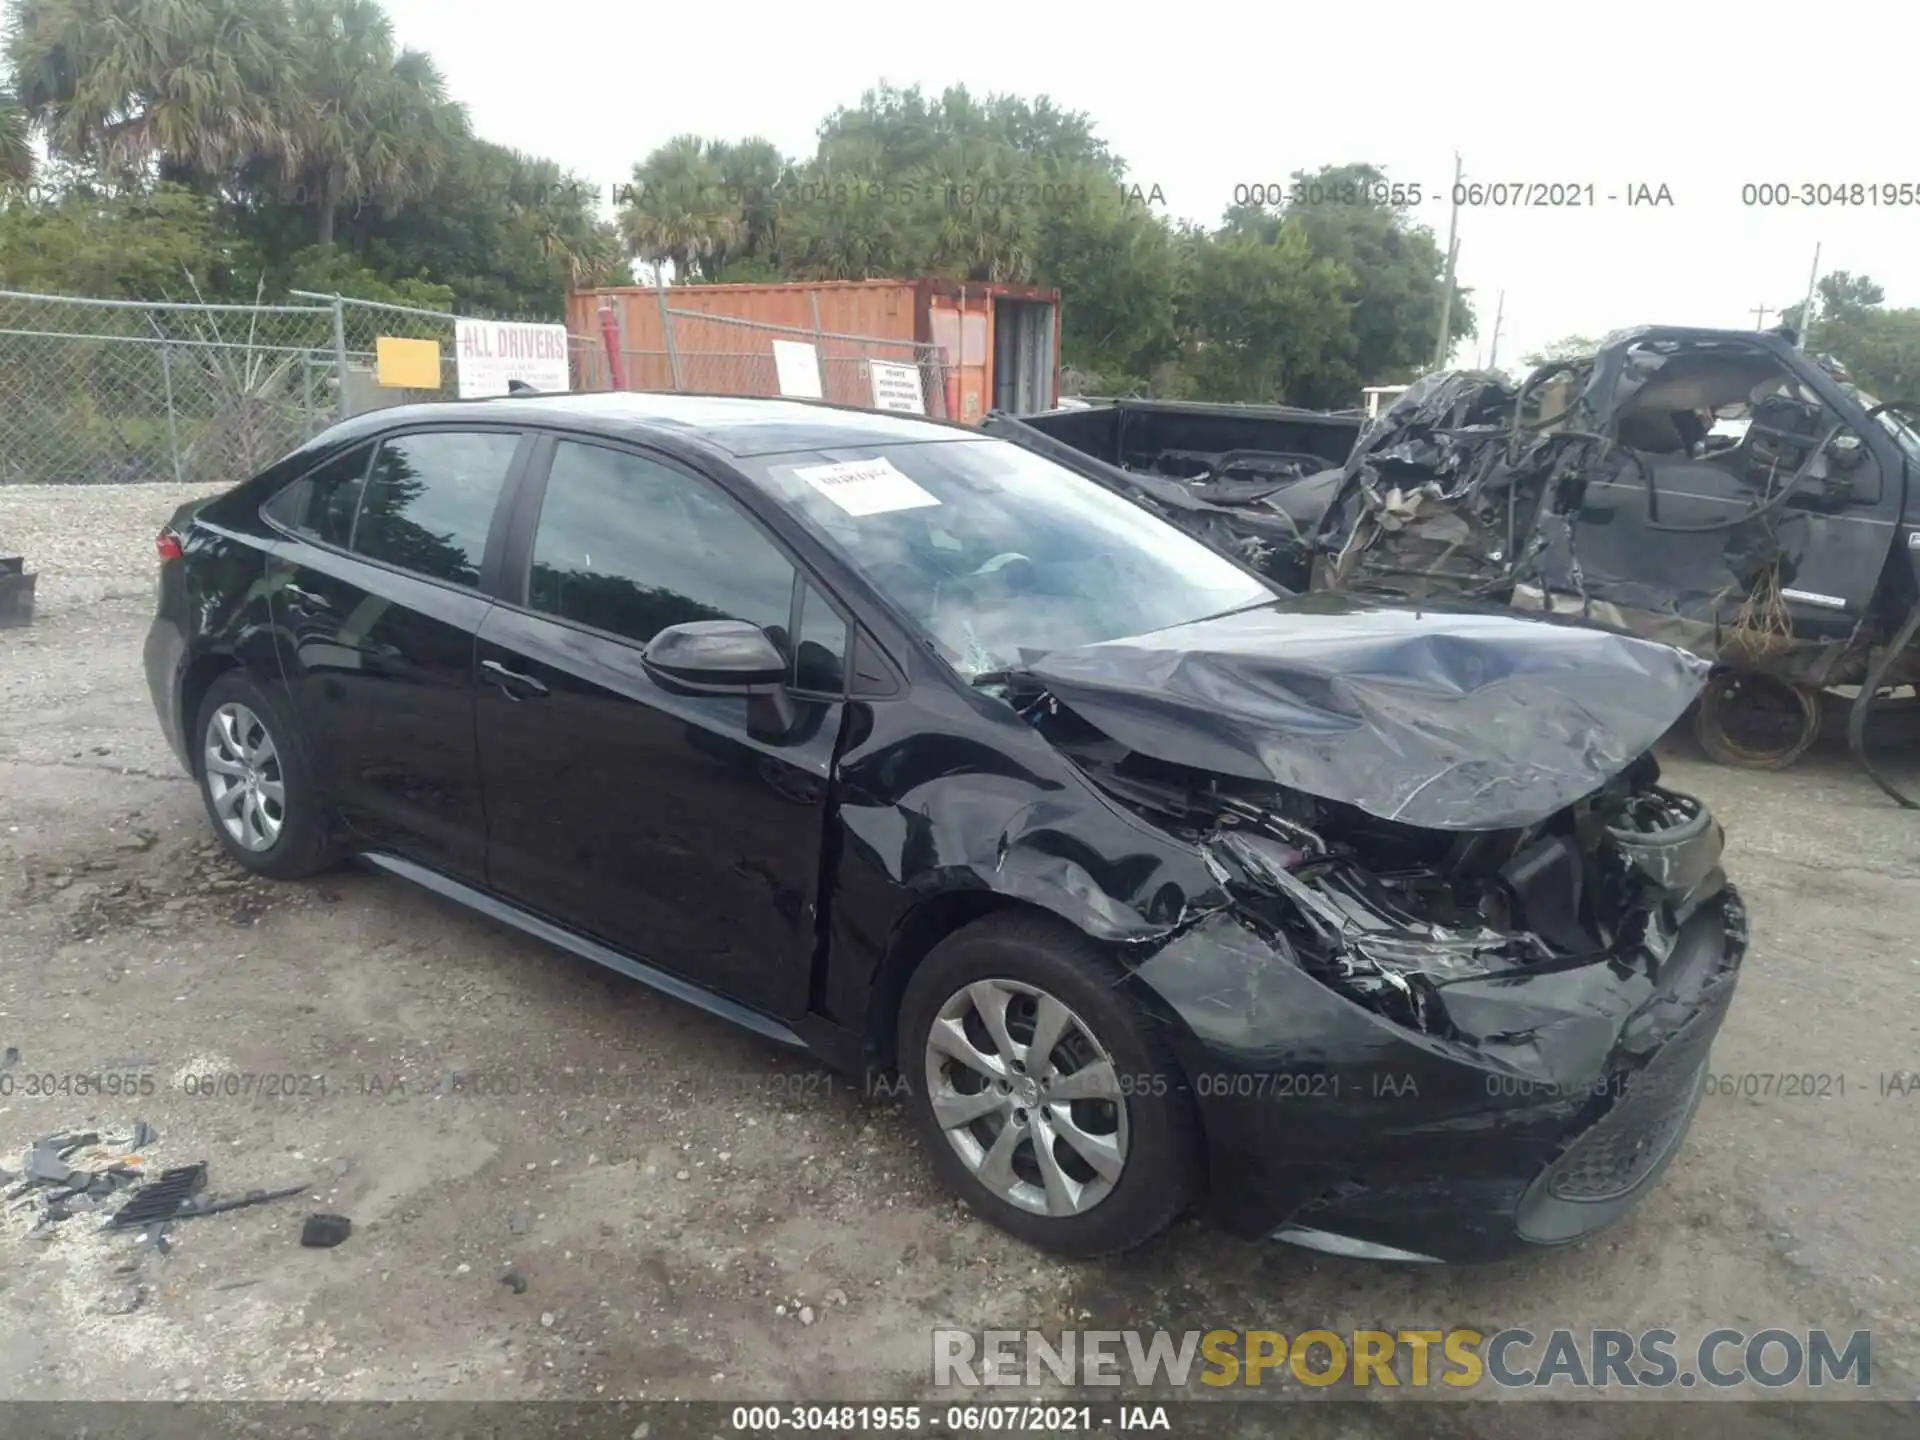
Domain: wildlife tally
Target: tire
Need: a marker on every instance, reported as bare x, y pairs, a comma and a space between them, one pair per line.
1146, 1119
283, 832
1755, 722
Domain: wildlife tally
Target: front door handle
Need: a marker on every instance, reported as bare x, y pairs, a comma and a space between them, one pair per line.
512, 680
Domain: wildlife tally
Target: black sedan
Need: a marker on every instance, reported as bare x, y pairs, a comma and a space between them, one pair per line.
903, 745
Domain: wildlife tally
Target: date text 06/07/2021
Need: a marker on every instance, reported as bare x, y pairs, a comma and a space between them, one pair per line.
1562, 194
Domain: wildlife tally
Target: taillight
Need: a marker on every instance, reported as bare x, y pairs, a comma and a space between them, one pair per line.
168, 544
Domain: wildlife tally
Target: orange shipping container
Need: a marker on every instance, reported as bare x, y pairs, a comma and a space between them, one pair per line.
998, 345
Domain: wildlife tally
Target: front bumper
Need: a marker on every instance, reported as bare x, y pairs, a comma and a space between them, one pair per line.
1555, 1110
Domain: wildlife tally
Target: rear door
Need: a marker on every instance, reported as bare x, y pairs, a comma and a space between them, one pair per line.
376, 599
674, 827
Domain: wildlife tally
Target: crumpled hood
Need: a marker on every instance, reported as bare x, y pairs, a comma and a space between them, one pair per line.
1444, 718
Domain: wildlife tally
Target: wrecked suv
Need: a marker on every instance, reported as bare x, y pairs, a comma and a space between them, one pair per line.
907, 747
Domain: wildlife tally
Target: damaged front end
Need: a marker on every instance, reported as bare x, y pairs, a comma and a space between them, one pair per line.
1466, 1028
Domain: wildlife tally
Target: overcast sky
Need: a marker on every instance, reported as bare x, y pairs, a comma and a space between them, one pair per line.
1201, 97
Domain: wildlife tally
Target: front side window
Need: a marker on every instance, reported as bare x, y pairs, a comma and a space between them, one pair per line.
998, 554
630, 546
430, 501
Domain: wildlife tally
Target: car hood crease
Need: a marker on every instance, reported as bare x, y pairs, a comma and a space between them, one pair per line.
1441, 717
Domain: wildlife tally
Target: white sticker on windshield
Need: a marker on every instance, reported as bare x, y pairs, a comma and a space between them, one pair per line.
866, 487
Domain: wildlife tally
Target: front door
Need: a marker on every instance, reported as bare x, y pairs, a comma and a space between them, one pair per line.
1693, 518
677, 828
376, 601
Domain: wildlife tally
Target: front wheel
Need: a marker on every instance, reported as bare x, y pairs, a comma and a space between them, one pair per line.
1754, 721
1048, 1101
255, 783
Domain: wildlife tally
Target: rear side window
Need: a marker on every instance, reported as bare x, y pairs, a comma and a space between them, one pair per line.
630, 546
322, 503
430, 501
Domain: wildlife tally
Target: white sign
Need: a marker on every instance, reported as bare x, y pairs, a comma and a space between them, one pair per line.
493, 353
798, 367
897, 387
866, 487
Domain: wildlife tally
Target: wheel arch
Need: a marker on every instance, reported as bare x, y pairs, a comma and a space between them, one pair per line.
260, 664
914, 937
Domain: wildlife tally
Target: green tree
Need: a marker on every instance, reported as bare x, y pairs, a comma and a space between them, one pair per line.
161, 242
196, 87
1396, 280
677, 212
367, 127
1264, 320
16, 143
754, 176
1122, 270
1842, 296
1879, 347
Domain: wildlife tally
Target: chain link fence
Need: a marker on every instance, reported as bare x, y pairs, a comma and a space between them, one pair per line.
103, 391
97, 391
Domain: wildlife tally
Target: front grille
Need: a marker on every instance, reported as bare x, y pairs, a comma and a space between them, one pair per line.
1619, 1151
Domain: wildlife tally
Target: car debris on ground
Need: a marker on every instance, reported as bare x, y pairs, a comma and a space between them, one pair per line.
69, 1174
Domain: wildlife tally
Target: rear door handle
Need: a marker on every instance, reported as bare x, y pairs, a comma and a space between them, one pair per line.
511, 680
305, 599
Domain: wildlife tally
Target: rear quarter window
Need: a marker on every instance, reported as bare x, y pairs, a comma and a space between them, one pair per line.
322, 503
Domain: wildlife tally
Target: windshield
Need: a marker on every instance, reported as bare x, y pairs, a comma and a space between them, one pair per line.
998, 554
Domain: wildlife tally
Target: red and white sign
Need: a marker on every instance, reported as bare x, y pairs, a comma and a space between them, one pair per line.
491, 353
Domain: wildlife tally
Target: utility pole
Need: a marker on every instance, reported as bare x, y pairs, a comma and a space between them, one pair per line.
1443, 342
1493, 352
1760, 314
1806, 311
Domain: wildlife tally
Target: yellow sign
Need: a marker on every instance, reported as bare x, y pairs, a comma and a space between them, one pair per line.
408, 364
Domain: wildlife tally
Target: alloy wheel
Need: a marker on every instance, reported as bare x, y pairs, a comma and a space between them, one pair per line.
244, 779
1028, 1097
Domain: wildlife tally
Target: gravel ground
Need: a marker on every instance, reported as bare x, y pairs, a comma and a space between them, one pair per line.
88, 542
692, 1214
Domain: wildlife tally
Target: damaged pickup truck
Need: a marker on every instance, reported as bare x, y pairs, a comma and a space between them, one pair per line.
1718, 490
1370, 923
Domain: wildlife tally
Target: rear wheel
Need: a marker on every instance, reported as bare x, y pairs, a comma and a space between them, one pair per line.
255, 783
1048, 1102
1756, 721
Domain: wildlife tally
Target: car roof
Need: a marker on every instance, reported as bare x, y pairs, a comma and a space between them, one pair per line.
737, 425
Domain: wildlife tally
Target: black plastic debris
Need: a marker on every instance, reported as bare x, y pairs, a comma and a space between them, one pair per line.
163, 1198
143, 1135
207, 1205
323, 1232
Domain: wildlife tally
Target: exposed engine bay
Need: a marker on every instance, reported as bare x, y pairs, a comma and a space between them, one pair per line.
1389, 913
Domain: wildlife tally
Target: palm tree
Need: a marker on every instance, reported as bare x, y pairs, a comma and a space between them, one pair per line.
16, 143
368, 127
676, 212
195, 86
754, 175
988, 203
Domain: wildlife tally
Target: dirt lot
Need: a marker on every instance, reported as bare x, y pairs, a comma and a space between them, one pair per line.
693, 1213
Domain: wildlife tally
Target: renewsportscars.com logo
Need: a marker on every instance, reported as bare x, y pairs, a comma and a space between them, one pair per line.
1458, 1359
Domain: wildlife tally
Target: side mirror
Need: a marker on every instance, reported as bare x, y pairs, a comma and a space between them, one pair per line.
715, 655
